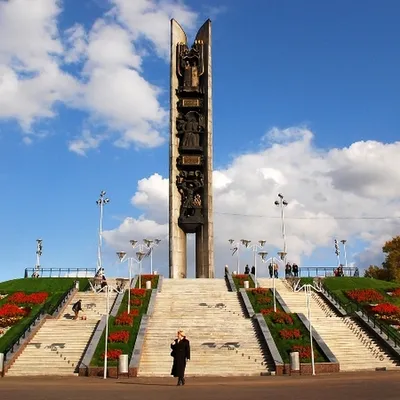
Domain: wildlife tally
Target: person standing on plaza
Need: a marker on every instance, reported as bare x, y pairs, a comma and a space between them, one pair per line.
181, 354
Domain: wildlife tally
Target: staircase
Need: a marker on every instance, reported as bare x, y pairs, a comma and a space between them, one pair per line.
349, 342
58, 346
223, 341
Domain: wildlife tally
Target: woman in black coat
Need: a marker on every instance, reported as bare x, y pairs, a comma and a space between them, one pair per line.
181, 352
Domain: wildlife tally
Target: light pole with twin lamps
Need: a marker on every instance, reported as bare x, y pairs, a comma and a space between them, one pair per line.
139, 257
254, 247
101, 202
39, 252
308, 288
122, 258
282, 203
343, 241
236, 249
150, 244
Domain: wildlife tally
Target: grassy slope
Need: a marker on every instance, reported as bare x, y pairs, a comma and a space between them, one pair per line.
127, 348
55, 286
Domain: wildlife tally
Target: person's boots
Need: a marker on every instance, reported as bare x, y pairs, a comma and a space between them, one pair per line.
183, 381
179, 382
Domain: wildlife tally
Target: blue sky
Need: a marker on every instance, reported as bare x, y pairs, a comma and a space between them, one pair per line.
305, 102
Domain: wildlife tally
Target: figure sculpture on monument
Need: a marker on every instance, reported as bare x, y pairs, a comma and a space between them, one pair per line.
190, 126
190, 65
189, 184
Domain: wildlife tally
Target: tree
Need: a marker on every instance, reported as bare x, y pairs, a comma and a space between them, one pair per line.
392, 258
376, 272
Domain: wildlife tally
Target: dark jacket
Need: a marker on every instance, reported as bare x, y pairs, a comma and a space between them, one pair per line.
181, 353
77, 306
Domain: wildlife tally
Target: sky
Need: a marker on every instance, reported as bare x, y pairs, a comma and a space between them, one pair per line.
306, 103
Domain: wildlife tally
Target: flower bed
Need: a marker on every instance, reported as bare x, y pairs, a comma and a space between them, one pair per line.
123, 328
239, 280
152, 278
364, 295
29, 299
287, 330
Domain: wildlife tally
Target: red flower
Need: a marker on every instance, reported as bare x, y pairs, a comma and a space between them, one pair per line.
112, 354
280, 317
11, 310
23, 298
385, 309
290, 333
266, 311
304, 351
136, 302
260, 290
124, 319
134, 312
138, 292
119, 337
241, 276
364, 295
396, 292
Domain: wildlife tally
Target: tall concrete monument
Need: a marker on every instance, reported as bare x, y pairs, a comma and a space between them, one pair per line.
191, 151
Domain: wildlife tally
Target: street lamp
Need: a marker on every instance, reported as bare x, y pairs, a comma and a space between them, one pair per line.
39, 252
101, 202
236, 249
106, 333
140, 254
308, 291
254, 247
282, 203
150, 244
343, 241
122, 258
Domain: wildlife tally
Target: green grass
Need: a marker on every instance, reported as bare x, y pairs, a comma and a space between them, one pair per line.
127, 348
51, 285
56, 287
306, 281
284, 346
348, 283
239, 282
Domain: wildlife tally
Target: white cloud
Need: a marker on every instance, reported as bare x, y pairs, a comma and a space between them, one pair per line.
307, 177
86, 142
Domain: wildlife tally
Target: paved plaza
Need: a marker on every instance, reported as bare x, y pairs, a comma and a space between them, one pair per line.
370, 385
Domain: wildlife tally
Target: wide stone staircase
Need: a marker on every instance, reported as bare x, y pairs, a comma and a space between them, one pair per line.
58, 346
223, 341
353, 347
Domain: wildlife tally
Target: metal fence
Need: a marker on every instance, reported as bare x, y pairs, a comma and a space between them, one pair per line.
308, 272
61, 272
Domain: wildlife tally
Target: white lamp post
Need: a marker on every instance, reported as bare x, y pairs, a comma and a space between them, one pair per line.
263, 255
308, 291
122, 257
150, 244
282, 203
343, 241
106, 338
236, 249
254, 247
140, 254
101, 202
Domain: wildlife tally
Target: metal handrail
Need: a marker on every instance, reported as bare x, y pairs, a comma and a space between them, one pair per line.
61, 272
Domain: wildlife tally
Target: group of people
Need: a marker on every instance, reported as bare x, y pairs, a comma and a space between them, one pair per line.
247, 270
291, 270
338, 272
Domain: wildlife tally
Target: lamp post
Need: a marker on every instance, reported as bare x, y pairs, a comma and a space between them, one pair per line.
122, 258
337, 251
101, 202
282, 203
150, 244
39, 252
236, 249
263, 255
308, 288
106, 334
343, 241
140, 254
254, 247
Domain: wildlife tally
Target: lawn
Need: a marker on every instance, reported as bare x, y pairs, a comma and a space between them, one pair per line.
287, 330
55, 287
125, 348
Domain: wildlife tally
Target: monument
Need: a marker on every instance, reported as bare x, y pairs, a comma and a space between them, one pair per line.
190, 162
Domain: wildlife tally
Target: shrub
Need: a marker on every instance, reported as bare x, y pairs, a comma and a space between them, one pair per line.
23, 298
385, 309
280, 317
304, 351
119, 337
124, 319
138, 292
112, 354
290, 334
136, 302
364, 295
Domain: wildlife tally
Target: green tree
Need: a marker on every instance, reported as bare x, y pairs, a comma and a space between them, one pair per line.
392, 258
376, 272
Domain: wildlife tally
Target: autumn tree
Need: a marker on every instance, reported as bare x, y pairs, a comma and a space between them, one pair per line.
392, 258
373, 271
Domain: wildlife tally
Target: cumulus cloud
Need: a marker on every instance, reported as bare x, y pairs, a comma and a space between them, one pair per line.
320, 208
108, 82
